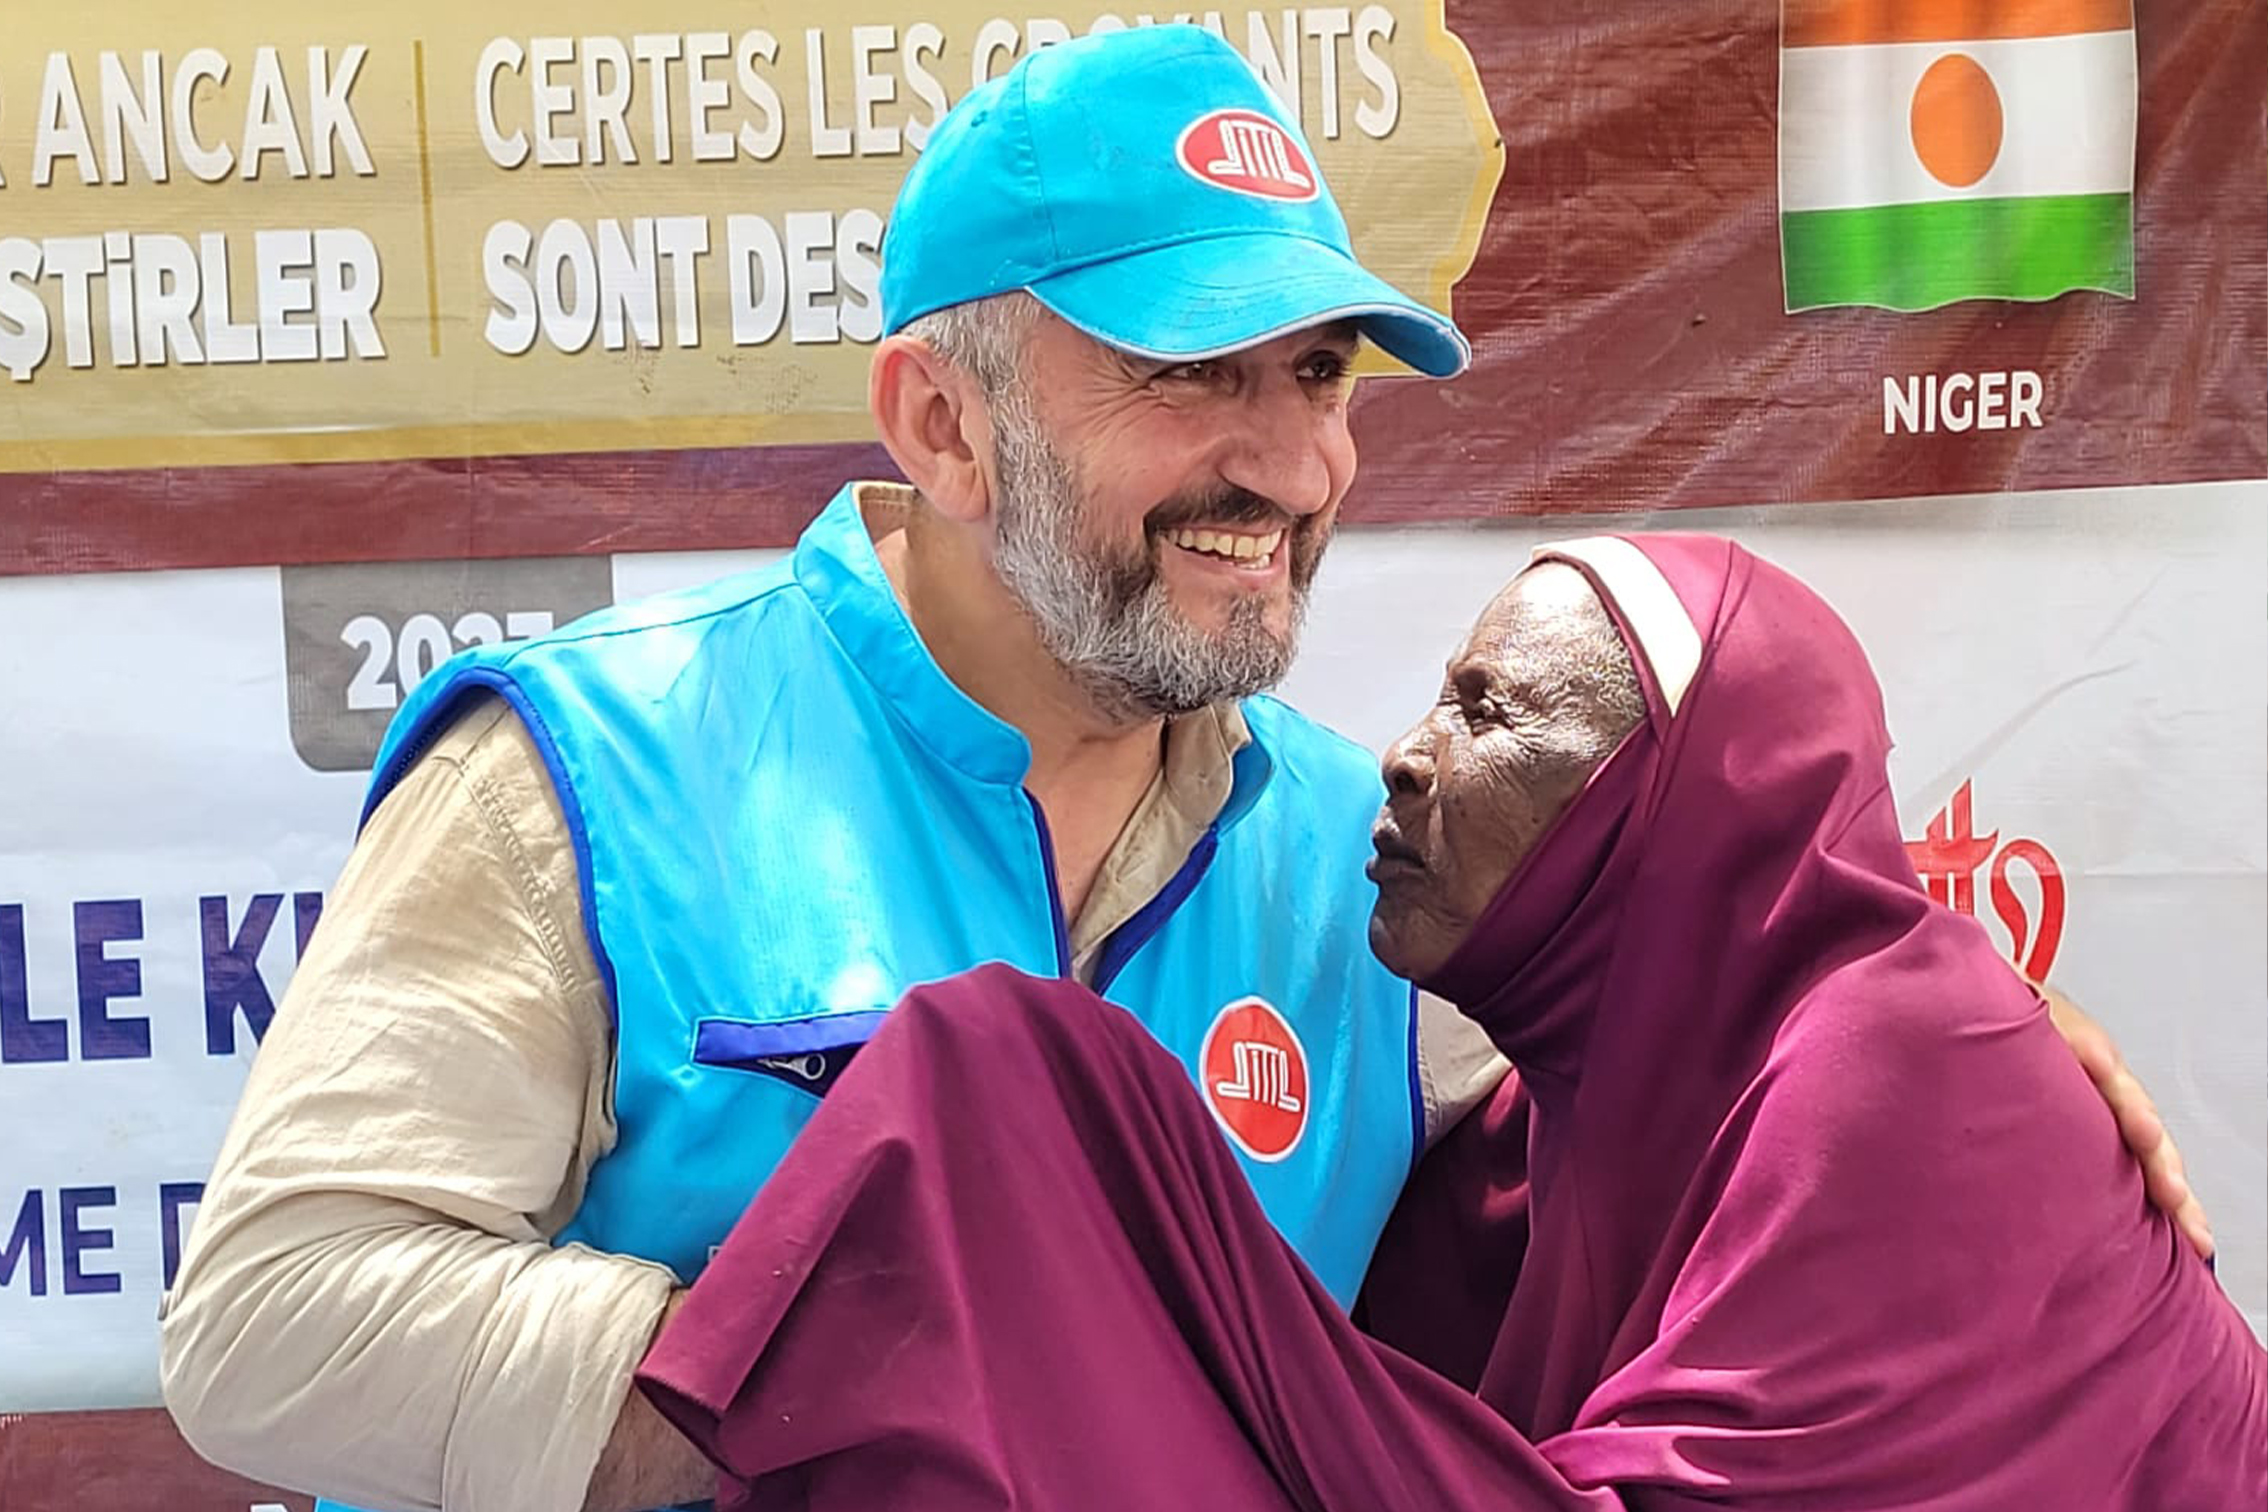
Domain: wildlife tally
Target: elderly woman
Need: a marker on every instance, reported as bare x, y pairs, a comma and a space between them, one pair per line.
1799, 1203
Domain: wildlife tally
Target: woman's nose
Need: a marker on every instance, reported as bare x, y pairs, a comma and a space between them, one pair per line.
1408, 767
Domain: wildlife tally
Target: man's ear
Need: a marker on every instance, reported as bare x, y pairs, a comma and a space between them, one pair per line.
933, 422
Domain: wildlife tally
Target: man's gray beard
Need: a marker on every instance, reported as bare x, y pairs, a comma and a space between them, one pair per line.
1111, 623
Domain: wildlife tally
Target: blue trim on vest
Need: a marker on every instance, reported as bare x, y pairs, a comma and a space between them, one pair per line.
1417, 1087
1054, 887
724, 1042
466, 681
1132, 935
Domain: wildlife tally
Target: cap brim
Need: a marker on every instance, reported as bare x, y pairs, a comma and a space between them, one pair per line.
1195, 299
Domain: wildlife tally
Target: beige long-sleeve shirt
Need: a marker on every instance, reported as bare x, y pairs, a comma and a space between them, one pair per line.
371, 1304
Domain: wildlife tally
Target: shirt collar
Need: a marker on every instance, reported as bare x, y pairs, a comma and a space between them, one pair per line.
836, 565
1212, 759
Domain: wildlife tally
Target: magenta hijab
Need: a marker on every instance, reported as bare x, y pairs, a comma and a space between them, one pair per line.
1817, 1206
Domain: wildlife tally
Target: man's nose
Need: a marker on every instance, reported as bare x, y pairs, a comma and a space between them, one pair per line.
1408, 766
1284, 447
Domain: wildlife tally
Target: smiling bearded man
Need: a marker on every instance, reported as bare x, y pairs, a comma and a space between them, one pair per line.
630, 897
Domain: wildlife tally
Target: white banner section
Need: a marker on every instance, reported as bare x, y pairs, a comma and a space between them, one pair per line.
2075, 681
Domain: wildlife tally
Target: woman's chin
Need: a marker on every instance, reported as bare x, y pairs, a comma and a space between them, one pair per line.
1391, 940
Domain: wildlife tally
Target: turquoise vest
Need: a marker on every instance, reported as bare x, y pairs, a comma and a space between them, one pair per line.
784, 815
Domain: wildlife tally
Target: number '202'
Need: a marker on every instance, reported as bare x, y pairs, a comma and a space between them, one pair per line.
394, 662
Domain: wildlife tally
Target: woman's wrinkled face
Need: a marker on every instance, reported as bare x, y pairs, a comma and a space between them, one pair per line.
1540, 693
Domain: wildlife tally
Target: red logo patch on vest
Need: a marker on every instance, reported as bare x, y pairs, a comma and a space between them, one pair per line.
1244, 151
1254, 1076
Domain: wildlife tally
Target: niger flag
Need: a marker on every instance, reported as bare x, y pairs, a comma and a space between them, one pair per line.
1935, 150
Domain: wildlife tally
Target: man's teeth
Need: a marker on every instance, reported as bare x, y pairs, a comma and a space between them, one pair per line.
1228, 545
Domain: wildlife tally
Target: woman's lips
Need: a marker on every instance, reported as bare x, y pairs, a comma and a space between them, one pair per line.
1393, 853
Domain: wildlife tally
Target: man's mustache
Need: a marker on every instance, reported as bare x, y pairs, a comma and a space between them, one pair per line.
1225, 506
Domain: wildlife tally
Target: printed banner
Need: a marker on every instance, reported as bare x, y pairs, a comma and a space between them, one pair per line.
331, 346
448, 231
2072, 679
1634, 303
558, 341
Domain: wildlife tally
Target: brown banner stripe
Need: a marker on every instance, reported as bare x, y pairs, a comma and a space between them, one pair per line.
1845, 23
480, 507
118, 1462
1632, 350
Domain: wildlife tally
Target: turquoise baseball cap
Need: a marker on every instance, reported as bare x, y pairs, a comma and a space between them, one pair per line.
1147, 187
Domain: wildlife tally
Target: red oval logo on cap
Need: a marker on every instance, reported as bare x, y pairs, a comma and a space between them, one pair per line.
1244, 151
1254, 1075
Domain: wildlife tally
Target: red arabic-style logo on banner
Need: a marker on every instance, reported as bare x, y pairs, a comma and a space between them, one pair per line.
1950, 855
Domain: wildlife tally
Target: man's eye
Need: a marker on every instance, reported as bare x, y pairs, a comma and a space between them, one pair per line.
1191, 372
1326, 367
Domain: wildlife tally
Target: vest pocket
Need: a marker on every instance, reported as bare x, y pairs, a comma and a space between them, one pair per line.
807, 1054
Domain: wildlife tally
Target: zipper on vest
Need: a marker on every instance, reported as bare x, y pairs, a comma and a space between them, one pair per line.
1054, 889
1132, 935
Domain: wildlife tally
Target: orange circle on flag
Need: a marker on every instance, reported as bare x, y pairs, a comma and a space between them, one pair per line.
1254, 1075
1956, 120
